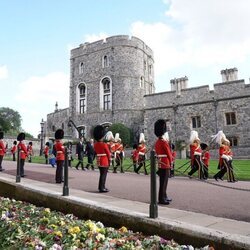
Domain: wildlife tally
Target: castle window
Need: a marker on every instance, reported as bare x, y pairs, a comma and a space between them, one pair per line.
150, 67
105, 62
82, 98
141, 82
105, 98
233, 141
81, 68
145, 65
230, 118
196, 122
53, 128
81, 130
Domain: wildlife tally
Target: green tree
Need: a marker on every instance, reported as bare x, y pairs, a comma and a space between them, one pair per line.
124, 132
9, 120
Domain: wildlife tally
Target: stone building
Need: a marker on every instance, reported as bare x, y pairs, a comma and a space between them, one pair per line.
112, 81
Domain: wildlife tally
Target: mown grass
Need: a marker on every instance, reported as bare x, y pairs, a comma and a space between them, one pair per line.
241, 167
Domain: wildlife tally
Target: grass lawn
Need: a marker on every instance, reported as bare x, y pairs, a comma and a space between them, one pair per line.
241, 167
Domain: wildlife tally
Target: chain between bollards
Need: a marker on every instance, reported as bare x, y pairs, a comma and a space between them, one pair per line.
18, 176
66, 175
153, 209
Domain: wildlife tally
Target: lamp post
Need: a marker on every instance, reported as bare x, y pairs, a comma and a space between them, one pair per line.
41, 137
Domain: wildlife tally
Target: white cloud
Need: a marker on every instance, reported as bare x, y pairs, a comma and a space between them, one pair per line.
198, 34
3, 72
37, 97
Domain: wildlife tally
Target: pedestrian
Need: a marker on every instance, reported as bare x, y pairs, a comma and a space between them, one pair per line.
163, 153
195, 155
173, 163
46, 152
80, 153
103, 157
142, 154
30, 151
14, 150
60, 157
2, 150
205, 158
90, 152
70, 157
23, 152
225, 158
135, 156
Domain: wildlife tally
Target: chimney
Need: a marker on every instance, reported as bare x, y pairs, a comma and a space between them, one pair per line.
177, 84
56, 107
229, 75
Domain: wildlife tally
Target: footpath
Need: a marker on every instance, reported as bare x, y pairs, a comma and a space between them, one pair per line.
185, 227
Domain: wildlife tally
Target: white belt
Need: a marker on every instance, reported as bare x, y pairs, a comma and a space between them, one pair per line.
59, 152
118, 152
100, 155
197, 153
162, 156
140, 153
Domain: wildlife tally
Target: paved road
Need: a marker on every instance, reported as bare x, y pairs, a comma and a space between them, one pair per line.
223, 199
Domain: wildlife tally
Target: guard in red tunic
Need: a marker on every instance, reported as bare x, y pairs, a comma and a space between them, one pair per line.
103, 157
195, 155
2, 150
23, 152
109, 137
163, 152
46, 152
142, 154
14, 150
135, 156
60, 156
173, 163
205, 157
30, 150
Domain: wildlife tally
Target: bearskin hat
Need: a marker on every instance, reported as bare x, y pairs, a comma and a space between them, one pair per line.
59, 134
193, 136
203, 146
21, 137
47, 143
109, 136
98, 132
30, 143
135, 146
15, 142
117, 137
1, 134
160, 127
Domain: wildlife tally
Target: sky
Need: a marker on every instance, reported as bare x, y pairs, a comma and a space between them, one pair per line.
192, 38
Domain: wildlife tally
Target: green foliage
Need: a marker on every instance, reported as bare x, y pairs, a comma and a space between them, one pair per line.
124, 132
9, 119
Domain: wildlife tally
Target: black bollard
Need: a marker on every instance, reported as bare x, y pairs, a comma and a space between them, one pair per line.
66, 175
153, 209
18, 176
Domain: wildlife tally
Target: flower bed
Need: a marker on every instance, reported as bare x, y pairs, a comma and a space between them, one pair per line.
25, 226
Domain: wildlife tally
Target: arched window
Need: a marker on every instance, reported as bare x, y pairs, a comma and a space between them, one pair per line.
105, 62
141, 82
81, 68
105, 98
82, 98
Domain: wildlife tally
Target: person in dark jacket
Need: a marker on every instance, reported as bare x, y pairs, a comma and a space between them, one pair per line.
90, 152
80, 153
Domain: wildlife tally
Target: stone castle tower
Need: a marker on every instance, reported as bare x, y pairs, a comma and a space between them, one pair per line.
108, 79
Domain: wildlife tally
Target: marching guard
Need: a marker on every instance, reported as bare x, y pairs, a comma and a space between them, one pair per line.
103, 157
195, 155
164, 155
118, 153
205, 157
225, 159
142, 154
109, 137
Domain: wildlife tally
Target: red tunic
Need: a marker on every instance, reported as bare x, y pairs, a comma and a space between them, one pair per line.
102, 154
30, 150
13, 149
46, 150
223, 150
205, 158
194, 147
23, 150
164, 154
2, 148
59, 151
142, 149
135, 155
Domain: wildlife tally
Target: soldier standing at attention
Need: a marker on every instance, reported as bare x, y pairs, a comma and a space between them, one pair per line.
163, 152
46, 152
30, 150
23, 152
103, 157
80, 153
13, 150
60, 156
2, 150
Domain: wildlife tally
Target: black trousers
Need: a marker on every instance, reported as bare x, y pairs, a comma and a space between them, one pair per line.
141, 162
226, 168
197, 166
14, 157
102, 178
164, 175
80, 162
46, 159
59, 169
1, 160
